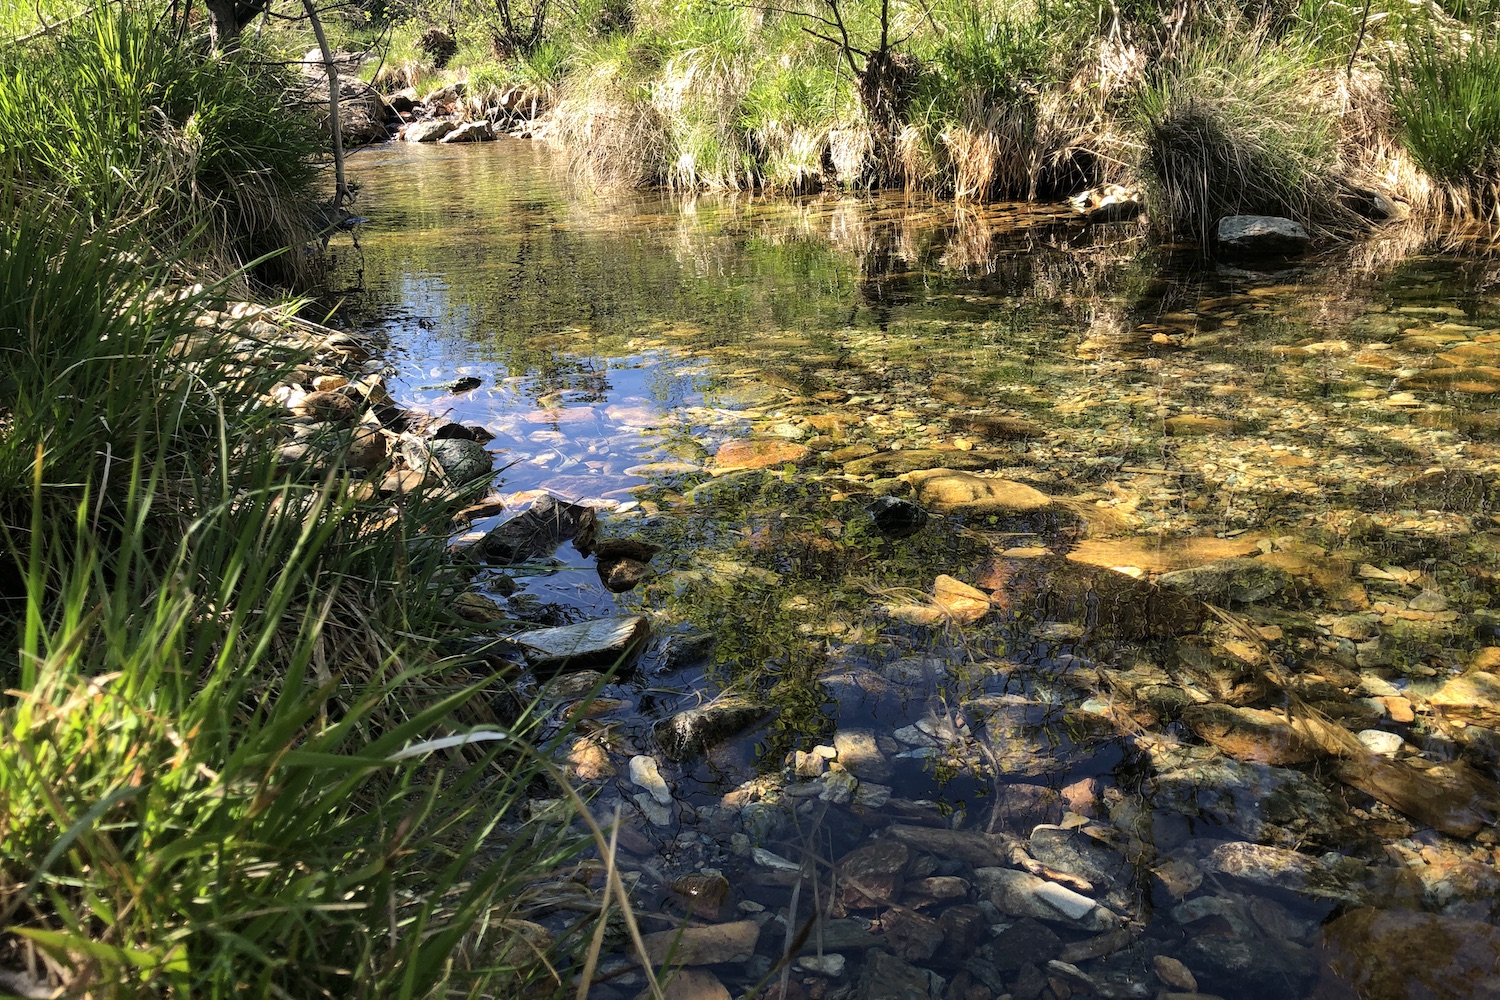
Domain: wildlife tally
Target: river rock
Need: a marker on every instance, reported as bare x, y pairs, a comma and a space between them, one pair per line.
603, 642
460, 461
959, 601
334, 407
915, 460
1026, 941
644, 773
890, 978
691, 984
1021, 894
1473, 698
831, 966
857, 752
698, 730
981, 850
962, 493
1249, 734
366, 448
715, 944
480, 131
428, 131
1330, 877
1232, 954
1173, 973
1243, 580
1408, 955
912, 935
1256, 801
538, 531
872, 875
1261, 236
1450, 796
999, 428
760, 454
896, 517
1077, 853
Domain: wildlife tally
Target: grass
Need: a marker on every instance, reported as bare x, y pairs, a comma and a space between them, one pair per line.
143, 130
1445, 93
1228, 128
202, 784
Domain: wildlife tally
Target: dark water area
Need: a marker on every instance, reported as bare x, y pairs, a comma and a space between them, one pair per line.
1033, 612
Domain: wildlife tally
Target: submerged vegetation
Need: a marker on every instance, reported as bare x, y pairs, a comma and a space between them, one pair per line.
1307, 110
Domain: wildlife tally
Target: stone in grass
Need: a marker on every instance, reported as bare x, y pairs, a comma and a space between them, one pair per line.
456, 460
602, 642
1261, 236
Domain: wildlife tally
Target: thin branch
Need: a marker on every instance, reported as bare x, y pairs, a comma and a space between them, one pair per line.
340, 188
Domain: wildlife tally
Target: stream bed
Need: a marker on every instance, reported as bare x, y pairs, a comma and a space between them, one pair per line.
1010, 607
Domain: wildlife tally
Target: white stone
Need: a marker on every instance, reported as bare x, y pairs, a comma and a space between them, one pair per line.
1381, 742
831, 966
644, 772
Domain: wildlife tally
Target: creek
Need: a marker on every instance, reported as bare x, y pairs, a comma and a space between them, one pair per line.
1188, 681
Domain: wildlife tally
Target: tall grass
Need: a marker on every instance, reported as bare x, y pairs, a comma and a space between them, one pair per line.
203, 788
1230, 126
1445, 92
115, 120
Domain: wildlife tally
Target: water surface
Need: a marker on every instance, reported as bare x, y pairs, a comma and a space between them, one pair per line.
1213, 658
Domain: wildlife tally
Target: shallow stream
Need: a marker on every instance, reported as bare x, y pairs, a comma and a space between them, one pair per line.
1076, 618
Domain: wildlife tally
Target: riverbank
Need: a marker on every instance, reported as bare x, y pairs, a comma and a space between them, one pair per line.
1338, 117
240, 647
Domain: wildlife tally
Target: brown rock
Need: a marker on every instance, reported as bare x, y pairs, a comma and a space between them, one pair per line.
715, 944
1249, 734
961, 492
331, 406
1196, 425
1406, 955
692, 984
873, 874
760, 454
959, 601
1473, 697
1174, 973
1161, 555
914, 937
366, 448
1000, 428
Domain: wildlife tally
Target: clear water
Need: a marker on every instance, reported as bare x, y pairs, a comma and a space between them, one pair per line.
1334, 422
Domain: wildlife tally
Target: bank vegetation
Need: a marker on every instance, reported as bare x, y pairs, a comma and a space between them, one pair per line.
234, 700
1337, 115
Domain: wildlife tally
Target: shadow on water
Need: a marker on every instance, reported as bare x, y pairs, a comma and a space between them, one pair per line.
1035, 612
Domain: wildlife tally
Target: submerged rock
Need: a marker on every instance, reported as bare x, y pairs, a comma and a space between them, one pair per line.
1249, 734
700, 729
1243, 580
891, 978
963, 493
1407, 955
715, 944
896, 517
1256, 801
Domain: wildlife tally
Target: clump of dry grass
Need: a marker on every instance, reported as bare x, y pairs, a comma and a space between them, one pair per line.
1232, 126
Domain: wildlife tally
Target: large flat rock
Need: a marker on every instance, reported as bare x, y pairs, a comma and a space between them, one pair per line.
599, 643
